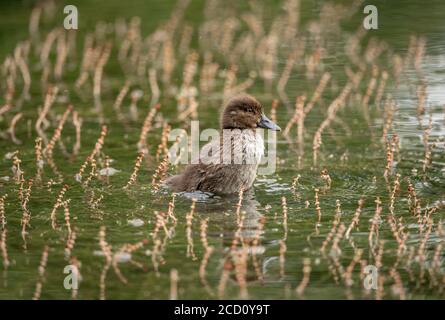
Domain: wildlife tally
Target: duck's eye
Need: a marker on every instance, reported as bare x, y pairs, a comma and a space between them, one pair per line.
248, 109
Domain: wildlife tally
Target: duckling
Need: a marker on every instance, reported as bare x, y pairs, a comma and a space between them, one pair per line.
227, 165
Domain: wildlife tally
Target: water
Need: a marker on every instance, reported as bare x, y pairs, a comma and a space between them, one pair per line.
352, 152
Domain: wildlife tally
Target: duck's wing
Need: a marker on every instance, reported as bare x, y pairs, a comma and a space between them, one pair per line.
214, 170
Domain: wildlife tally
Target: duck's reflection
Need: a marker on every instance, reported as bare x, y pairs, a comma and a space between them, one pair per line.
241, 233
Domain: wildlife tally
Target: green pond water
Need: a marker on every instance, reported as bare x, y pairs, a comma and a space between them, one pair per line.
352, 152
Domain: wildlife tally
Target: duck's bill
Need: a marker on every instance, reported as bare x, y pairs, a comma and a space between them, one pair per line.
266, 123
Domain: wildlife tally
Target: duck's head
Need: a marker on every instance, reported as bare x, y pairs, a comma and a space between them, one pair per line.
245, 112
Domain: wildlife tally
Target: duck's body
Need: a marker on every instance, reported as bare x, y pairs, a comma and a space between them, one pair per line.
230, 164
214, 174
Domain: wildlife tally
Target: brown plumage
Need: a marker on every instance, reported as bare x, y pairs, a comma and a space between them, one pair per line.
230, 164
